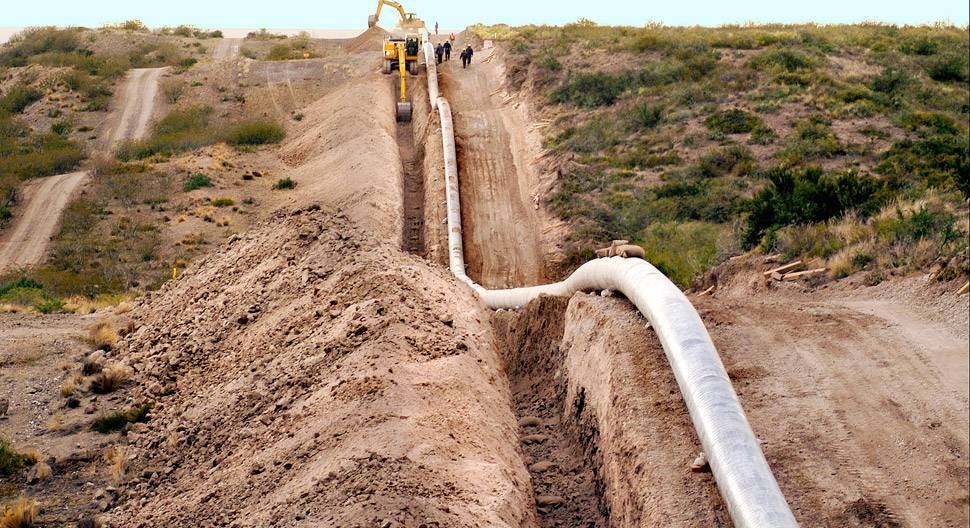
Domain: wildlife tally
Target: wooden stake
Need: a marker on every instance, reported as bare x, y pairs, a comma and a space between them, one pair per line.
784, 269
801, 274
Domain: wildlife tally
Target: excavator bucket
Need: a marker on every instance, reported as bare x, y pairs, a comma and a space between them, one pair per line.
404, 112
372, 21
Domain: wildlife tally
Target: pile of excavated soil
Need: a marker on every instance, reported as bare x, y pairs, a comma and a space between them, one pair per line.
309, 374
370, 40
345, 153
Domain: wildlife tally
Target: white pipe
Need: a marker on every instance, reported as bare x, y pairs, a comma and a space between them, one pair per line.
749, 488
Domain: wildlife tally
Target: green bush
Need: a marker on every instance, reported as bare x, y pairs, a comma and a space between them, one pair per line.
196, 181
222, 202
181, 130
35, 41
18, 98
10, 460
590, 90
786, 59
916, 225
284, 183
724, 161
279, 52
798, 196
682, 252
951, 67
941, 160
117, 421
255, 133
645, 116
596, 135
733, 121
812, 139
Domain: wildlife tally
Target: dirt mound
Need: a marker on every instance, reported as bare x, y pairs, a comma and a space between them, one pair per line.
370, 40
345, 154
306, 374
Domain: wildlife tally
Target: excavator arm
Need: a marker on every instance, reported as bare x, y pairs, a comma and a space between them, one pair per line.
372, 20
408, 20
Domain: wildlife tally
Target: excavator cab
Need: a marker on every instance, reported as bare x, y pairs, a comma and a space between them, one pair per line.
412, 46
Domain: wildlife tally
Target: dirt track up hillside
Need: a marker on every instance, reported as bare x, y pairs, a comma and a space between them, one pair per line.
501, 227
25, 242
227, 48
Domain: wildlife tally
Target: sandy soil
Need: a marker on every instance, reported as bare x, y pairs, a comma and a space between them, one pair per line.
861, 396
26, 240
36, 354
503, 232
136, 106
226, 48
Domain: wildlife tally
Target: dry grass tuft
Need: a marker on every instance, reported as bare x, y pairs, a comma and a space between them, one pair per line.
102, 336
33, 455
110, 378
20, 514
69, 387
117, 459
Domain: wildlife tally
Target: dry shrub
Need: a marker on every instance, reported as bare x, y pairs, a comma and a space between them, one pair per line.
33, 455
20, 514
110, 378
117, 459
102, 336
69, 387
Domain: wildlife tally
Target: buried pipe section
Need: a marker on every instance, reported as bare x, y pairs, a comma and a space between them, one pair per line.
743, 476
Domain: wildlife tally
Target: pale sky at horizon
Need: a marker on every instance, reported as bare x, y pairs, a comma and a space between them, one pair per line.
350, 14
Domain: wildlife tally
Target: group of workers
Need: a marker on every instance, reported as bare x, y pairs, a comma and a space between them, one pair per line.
443, 51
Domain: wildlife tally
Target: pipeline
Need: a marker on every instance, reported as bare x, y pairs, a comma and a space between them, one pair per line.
744, 479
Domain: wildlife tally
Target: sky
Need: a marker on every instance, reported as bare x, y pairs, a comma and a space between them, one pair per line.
455, 14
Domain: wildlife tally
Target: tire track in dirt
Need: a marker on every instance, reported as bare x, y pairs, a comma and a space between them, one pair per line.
227, 48
26, 241
501, 229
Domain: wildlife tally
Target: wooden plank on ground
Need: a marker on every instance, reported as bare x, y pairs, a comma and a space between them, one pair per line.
784, 269
964, 289
803, 274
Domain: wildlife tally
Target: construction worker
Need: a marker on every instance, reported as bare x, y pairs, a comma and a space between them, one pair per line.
464, 59
436, 28
451, 38
439, 52
447, 46
467, 57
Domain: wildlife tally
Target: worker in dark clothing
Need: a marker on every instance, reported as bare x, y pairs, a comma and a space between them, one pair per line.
439, 52
447, 46
464, 59
467, 60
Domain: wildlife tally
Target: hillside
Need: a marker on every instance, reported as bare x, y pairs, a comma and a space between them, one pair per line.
843, 144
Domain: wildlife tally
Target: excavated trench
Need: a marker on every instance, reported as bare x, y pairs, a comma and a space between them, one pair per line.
412, 235
558, 440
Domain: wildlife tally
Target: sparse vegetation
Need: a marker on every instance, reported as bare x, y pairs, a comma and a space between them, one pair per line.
11, 461
196, 181
675, 167
254, 133
116, 421
102, 336
222, 202
190, 128
284, 183
21, 513
109, 379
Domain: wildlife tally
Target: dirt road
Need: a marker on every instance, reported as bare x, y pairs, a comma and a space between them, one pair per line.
28, 237
862, 400
501, 226
25, 242
137, 104
226, 48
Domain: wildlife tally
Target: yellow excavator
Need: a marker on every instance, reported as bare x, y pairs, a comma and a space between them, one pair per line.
408, 20
402, 47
